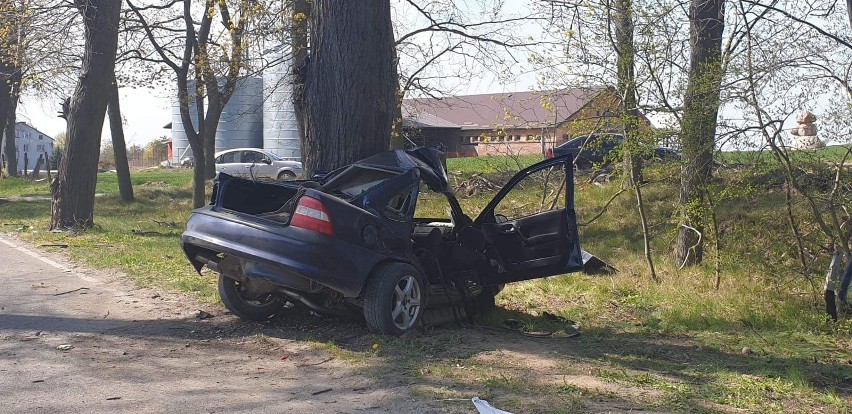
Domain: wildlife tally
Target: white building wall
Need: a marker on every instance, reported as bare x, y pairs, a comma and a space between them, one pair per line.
32, 142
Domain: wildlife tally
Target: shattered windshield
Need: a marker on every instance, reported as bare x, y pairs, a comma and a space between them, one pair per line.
357, 179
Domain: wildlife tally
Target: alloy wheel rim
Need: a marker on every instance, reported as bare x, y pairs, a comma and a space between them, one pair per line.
406, 302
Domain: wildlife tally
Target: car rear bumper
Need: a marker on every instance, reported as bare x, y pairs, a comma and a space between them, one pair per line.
339, 265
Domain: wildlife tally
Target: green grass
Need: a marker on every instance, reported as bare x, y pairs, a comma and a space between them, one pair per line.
672, 346
139, 238
490, 165
833, 153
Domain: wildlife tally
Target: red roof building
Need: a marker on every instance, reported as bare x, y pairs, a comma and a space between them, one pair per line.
509, 123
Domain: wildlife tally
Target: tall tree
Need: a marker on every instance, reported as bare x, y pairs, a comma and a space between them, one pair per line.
74, 189
119, 147
10, 160
626, 85
10, 76
350, 79
625, 52
701, 110
41, 49
206, 61
300, 14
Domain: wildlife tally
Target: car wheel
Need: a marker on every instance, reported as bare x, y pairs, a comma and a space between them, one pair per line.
234, 298
393, 299
286, 176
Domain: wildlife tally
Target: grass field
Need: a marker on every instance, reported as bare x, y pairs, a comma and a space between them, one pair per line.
758, 344
834, 153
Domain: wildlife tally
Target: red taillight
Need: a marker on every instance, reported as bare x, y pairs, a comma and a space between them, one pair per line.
311, 214
548, 153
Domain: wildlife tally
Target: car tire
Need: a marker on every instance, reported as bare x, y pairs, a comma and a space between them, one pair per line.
286, 176
230, 291
394, 299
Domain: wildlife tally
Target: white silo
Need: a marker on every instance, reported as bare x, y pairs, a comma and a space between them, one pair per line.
280, 130
241, 124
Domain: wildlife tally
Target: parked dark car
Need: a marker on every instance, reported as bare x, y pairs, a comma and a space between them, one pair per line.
351, 242
595, 150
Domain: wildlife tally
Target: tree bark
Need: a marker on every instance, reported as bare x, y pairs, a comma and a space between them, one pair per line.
10, 92
701, 109
37, 168
10, 82
10, 127
299, 38
74, 189
626, 74
350, 83
119, 147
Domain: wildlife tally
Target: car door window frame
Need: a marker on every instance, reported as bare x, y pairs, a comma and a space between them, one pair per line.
488, 213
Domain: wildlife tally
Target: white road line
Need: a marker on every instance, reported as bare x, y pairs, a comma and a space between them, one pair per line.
49, 262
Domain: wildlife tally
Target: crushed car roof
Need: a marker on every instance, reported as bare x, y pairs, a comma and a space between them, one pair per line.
428, 160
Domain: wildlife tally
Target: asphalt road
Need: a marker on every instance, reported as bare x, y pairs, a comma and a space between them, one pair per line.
76, 340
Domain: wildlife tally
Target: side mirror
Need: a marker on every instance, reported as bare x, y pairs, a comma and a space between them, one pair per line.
266, 161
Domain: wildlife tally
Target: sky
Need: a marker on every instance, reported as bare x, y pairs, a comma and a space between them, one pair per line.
144, 111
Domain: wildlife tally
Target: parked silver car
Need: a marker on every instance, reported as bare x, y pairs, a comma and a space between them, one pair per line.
255, 163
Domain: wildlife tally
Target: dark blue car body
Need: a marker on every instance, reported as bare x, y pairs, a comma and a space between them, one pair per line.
367, 208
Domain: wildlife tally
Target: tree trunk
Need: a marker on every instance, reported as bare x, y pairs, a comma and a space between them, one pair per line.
299, 38
350, 83
186, 98
14, 94
119, 147
626, 73
701, 109
47, 167
199, 175
74, 189
37, 169
9, 129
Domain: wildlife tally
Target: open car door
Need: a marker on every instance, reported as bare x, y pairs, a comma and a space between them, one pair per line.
531, 225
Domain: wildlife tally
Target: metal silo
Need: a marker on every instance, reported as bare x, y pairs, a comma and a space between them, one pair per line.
280, 131
241, 124
180, 142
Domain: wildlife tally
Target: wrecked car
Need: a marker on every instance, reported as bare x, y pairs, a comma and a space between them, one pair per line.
354, 242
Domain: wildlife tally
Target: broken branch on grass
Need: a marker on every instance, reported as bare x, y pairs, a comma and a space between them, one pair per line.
70, 291
146, 233
317, 363
166, 223
605, 207
321, 391
691, 248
